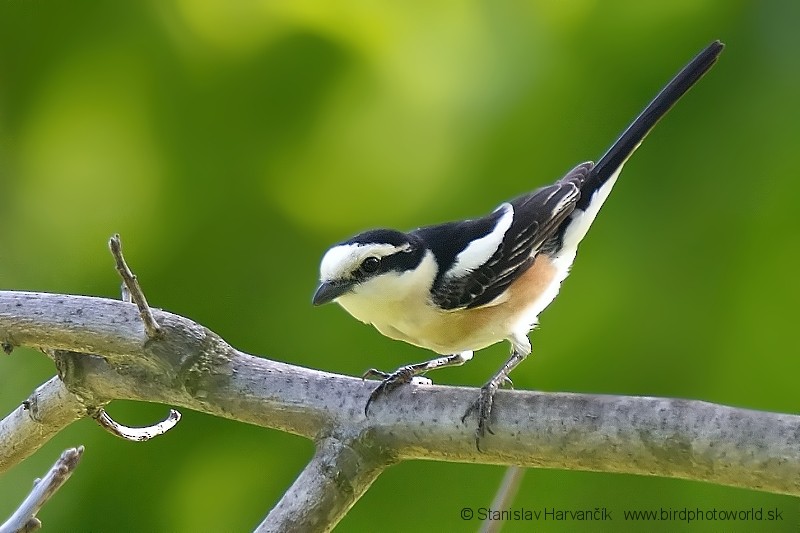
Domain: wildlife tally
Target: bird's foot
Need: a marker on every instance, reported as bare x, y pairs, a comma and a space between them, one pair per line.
389, 381
483, 408
411, 373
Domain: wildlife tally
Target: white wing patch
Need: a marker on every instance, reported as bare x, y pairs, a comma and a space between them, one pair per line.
480, 250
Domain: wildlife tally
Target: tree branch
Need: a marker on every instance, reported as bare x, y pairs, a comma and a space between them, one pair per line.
138, 434
506, 493
190, 366
338, 474
47, 411
24, 518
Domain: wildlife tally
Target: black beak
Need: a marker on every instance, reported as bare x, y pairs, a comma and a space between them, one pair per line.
330, 290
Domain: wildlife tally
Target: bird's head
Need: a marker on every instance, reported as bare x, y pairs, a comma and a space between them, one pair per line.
368, 264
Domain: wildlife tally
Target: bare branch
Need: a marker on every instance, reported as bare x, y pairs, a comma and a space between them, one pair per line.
192, 367
134, 291
24, 518
506, 493
338, 474
47, 411
138, 434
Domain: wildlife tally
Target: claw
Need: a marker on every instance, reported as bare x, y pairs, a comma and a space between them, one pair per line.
389, 382
374, 373
407, 373
483, 407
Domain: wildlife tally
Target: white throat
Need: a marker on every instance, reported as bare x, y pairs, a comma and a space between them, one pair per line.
384, 298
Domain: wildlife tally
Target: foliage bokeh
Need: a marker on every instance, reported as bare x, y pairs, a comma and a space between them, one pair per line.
231, 143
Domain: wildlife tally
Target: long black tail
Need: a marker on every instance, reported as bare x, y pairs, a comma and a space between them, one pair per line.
633, 136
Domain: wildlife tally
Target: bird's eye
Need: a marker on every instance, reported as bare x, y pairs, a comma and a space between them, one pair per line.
370, 265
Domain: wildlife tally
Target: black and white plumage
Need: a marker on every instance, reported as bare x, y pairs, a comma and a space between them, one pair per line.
458, 287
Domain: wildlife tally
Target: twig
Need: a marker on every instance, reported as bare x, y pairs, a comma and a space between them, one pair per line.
506, 493
24, 518
138, 434
132, 292
151, 327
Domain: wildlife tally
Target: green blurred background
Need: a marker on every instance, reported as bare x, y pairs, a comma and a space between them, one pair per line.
230, 143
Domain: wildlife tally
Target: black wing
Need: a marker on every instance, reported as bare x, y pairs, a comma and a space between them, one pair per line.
537, 217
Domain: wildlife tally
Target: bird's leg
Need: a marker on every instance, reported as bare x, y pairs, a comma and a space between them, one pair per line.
483, 405
404, 374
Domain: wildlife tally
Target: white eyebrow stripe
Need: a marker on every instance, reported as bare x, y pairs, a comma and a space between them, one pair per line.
480, 250
341, 260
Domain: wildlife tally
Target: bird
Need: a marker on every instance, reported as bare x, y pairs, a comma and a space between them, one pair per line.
458, 287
